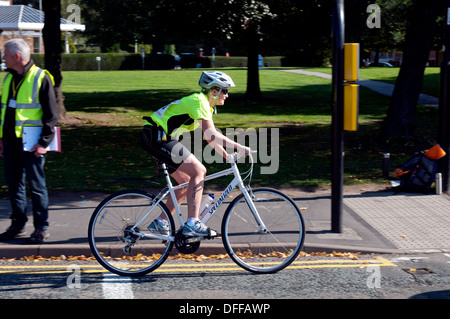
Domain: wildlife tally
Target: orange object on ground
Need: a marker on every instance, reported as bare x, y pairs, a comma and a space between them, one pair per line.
434, 153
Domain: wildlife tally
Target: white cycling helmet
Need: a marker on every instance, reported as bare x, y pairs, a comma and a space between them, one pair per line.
211, 79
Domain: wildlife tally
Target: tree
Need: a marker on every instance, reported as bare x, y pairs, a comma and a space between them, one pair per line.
253, 15
239, 20
301, 31
115, 23
400, 119
390, 35
52, 42
163, 22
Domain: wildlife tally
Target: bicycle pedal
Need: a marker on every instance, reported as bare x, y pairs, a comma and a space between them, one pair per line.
217, 236
212, 234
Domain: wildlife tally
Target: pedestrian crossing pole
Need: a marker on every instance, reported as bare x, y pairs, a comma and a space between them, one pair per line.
337, 162
444, 105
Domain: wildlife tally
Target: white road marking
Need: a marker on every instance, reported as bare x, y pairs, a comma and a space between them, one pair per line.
116, 287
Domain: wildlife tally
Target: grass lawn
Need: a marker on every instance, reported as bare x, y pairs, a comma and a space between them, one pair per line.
101, 149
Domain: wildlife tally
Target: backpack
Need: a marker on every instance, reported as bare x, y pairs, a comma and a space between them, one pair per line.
418, 173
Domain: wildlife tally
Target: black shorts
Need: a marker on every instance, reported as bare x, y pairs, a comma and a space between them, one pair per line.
170, 152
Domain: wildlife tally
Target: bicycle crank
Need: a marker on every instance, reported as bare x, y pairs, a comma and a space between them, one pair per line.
191, 240
186, 245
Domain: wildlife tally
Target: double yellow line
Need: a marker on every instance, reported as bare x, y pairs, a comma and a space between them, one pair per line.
198, 267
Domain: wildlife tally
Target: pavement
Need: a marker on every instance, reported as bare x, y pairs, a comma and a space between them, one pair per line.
372, 221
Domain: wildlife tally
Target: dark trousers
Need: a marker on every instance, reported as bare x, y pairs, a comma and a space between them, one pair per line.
21, 166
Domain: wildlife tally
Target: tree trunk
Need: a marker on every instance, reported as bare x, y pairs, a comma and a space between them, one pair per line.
400, 119
52, 44
253, 89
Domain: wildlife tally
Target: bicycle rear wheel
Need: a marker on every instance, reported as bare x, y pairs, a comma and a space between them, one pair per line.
258, 251
118, 247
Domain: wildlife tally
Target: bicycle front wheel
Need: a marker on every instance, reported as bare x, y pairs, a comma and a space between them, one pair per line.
256, 249
122, 246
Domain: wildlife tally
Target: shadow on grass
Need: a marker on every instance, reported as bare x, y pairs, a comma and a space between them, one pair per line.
307, 100
110, 158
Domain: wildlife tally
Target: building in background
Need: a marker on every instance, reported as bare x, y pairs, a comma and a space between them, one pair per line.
20, 21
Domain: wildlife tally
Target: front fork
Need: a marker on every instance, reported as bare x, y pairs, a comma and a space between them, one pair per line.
248, 195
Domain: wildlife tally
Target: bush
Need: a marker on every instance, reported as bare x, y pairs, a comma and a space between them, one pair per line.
131, 61
110, 61
230, 62
193, 61
159, 62
241, 61
88, 61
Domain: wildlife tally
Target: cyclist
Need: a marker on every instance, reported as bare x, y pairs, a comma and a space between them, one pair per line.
160, 139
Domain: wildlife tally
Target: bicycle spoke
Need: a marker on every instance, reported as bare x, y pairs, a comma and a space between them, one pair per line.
272, 250
122, 246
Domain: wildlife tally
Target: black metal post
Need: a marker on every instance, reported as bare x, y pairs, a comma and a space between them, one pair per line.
337, 162
444, 106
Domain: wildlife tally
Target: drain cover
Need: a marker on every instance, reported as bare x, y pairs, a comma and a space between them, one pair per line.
418, 271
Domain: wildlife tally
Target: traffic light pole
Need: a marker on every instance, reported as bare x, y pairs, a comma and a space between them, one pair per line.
337, 162
444, 106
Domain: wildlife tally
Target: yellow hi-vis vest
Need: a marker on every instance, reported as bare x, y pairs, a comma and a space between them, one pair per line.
28, 108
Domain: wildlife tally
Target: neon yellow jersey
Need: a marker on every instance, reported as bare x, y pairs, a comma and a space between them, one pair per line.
183, 115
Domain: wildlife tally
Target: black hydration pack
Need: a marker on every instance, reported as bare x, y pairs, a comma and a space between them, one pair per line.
417, 174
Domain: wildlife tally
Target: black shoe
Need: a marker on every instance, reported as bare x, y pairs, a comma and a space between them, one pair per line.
12, 232
39, 236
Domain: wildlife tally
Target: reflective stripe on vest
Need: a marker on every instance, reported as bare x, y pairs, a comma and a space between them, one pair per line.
28, 108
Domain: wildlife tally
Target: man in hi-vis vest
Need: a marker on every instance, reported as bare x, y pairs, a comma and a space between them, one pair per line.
28, 99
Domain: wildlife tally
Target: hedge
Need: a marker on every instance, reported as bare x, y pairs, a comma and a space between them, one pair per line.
108, 61
127, 61
241, 62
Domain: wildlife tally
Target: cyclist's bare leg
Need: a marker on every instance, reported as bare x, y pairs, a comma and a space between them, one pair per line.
180, 194
196, 172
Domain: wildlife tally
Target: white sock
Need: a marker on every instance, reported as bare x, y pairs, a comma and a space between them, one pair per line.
191, 221
162, 220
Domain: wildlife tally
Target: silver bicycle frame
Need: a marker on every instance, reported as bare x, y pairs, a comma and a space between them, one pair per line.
237, 181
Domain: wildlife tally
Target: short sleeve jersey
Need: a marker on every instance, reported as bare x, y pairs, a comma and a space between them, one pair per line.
183, 115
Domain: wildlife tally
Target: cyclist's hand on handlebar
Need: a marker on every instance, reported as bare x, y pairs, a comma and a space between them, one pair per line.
244, 150
241, 151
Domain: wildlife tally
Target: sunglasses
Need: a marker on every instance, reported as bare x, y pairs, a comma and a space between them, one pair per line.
225, 91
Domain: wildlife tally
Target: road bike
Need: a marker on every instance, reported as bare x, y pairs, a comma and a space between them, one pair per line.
262, 229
